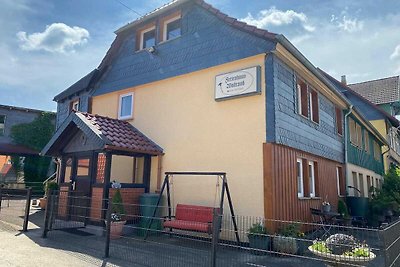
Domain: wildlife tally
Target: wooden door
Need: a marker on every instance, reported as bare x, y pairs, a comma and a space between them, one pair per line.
80, 201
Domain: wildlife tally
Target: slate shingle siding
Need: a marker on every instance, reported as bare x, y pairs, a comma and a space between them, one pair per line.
206, 41
63, 107
295, 131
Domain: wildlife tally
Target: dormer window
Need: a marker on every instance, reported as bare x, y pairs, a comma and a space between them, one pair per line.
172, 28
74, 105
148, 37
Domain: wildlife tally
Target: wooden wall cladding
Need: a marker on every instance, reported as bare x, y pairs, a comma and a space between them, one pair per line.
280, 184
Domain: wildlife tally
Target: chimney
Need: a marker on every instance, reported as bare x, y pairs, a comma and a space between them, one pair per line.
343, 80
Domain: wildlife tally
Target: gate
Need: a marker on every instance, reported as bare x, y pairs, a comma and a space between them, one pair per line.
14, 209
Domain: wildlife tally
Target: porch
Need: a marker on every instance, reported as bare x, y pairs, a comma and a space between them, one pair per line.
94, 151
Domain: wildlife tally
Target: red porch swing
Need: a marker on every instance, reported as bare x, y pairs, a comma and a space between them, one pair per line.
193, 217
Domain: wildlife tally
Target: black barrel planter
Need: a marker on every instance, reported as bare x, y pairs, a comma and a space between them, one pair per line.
358, 206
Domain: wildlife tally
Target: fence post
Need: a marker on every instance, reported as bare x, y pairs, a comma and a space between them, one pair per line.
215, 237
27, 209
108, 230
47, 213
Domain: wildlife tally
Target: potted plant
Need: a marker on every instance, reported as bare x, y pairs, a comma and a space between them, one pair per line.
48, 186
117, 211
343, 250
259, 240
326, 206
344, 213
285, 241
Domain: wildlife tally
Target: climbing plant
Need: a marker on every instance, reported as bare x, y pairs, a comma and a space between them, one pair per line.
34, 135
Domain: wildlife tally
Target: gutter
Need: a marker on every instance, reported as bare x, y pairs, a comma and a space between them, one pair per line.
346, 133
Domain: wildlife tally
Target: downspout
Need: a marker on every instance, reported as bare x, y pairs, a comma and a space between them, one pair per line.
345, 142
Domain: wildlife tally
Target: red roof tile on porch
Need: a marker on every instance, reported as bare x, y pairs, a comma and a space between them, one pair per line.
121, 134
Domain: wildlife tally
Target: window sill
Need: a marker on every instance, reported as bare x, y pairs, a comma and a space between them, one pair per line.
126, 118
169, 40
309, 198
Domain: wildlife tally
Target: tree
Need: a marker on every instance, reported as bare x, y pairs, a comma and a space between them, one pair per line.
35, 135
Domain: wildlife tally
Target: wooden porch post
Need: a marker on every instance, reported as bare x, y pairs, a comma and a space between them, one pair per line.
62, 170
107, 174
146, 173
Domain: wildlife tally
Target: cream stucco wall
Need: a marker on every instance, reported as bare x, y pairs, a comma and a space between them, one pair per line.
199, 134
365, 172
380, 125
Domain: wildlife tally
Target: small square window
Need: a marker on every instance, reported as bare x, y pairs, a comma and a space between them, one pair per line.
125, 106
172, 28
2, 123
148, 38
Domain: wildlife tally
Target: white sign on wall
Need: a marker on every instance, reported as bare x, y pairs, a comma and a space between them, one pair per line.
238, 83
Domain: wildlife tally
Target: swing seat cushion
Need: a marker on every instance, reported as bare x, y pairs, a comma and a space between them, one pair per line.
192, 218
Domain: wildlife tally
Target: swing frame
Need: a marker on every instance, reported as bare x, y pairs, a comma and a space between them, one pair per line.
224, 189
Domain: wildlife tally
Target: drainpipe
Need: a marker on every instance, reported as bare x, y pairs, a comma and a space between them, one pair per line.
345, 141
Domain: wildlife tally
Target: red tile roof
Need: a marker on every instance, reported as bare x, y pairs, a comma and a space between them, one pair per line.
6, 168
121, 134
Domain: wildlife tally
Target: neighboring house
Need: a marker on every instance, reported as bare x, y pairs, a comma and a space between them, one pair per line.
383, 92
8, 174
10, 116
188, 88
386, 124
365, 164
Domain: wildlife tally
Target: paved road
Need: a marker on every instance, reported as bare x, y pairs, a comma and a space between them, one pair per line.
20, 250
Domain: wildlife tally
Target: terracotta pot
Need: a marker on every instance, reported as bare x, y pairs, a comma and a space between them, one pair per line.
116, 229
42, 203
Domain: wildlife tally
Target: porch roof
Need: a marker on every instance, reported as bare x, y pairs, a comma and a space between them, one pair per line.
105, 133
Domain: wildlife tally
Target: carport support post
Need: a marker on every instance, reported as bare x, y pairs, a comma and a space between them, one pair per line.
27, 209
108, 231
47, 213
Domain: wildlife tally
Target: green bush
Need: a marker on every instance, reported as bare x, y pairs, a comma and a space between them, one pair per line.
342, 209
258, 229
117, 206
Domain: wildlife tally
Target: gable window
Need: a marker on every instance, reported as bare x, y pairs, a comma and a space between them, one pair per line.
75, 105
125, 110
352, 130
172, 28
311, 179
339, 122
314, 106
302, 98
359, 135
2, 123
299, 172
377, 151
147, 37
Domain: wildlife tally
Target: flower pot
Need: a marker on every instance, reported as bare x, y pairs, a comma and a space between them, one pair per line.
326, 208
116, 229
260, 244
43, 203
284, 244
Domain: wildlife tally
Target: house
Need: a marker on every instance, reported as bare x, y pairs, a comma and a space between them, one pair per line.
188, 88
8, 174
10, 116
383, 92
365, 161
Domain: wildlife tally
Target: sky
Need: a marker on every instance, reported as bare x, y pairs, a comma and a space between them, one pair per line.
47, 45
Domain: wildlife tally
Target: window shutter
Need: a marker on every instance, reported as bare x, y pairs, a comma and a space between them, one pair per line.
339, 122
304, 99
315, 107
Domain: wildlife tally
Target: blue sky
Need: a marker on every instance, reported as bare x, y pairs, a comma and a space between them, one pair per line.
47, 45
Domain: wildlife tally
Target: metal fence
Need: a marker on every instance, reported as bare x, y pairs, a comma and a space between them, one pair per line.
15, 207
195, 237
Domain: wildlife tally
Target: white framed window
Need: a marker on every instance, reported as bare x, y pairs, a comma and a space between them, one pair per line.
2, 123
125, 109
311, 174
147, 37
300, 184
172, 28
75, 104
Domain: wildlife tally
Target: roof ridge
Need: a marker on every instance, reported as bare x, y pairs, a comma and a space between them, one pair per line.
374, 80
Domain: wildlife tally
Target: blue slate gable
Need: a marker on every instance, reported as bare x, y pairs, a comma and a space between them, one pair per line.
292, 129
63, 107
206, 41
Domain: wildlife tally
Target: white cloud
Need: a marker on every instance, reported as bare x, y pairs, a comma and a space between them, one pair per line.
396, 53
347, 24
57, 37
276, 17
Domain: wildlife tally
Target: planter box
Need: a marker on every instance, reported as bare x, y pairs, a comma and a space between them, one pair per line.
260, 244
